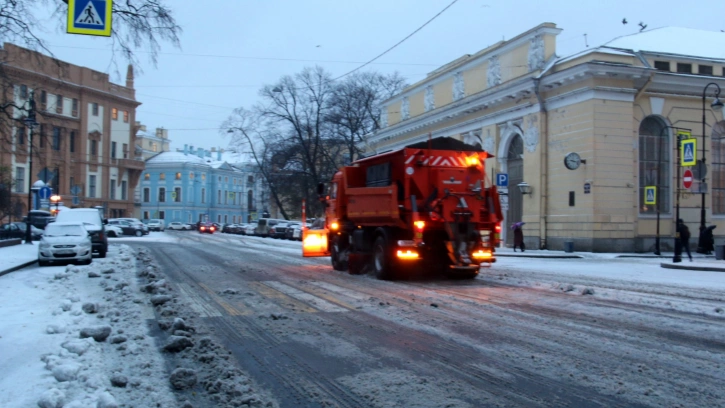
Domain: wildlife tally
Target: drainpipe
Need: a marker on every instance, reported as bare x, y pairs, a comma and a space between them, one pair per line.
543, 187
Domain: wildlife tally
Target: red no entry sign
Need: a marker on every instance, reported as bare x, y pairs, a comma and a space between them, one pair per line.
687, 178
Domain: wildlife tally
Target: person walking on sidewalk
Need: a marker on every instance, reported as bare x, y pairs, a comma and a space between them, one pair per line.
684, 236
518, 236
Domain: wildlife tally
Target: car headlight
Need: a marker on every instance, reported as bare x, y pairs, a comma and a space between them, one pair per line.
44, 245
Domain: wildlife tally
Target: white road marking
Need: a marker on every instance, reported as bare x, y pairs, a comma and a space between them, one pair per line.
341, 291
197, 303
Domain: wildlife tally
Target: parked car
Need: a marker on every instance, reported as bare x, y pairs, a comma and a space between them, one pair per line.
156, 225
18, 230
39, 218
249, 230
230, 228
92, 221
191, 226
114, 231
127, 227
207, 228
278, 230
65, 241
138, 222
178, 226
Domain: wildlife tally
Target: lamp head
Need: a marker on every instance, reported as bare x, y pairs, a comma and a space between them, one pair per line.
716, 104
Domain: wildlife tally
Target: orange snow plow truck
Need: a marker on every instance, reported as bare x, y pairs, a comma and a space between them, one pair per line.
422, 206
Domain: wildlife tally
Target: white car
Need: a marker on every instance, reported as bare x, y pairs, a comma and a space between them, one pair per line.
178, 226
249, 229
65, 241
156, 225
113, 231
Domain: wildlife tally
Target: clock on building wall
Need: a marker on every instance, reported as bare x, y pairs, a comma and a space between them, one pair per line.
572, 161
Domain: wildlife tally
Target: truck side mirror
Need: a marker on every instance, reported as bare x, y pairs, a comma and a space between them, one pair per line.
320, 189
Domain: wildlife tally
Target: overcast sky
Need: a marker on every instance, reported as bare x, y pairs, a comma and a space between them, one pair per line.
231, 48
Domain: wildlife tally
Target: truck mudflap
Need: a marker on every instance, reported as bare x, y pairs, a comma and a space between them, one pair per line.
315, 243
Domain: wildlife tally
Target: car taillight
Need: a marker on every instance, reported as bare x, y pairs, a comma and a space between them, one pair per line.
212, 228
201, 228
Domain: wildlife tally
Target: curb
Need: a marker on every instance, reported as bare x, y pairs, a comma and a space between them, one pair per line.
15, 268
693, 268
502, 255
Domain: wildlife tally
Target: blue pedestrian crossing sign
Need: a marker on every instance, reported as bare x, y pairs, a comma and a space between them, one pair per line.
90, 17
688, 149
502, 180
650, 195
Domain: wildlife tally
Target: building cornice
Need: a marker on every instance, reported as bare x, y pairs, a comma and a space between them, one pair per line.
79, 87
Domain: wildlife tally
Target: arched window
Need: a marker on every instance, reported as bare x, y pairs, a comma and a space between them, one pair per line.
654, 164
250, 201
718, 168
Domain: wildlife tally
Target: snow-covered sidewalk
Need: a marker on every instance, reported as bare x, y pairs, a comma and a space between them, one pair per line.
17, 256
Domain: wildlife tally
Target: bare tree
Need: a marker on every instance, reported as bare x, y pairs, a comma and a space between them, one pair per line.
6, 188
355, 107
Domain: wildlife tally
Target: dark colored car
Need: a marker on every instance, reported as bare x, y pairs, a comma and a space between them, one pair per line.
39, 218
127, 227
279, 230
207, 228
230, 229
18, 229
289, 232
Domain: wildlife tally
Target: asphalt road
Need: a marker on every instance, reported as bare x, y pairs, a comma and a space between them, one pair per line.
314, 337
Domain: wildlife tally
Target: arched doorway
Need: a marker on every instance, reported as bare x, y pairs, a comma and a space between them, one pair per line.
515, 168
654, 164
718, 168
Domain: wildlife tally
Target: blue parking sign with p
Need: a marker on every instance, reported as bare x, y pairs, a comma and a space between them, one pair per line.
502, 180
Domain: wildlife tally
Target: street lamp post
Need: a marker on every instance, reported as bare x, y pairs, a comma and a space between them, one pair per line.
30, 123
716, 106
677, 257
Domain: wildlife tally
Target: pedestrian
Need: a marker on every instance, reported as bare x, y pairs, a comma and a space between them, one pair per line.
518, 236
684, 233
708, 240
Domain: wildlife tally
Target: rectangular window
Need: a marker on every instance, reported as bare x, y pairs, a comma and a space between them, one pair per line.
178, 175
114, 114
146, 215
704, 69
72, 141
20, 135
113, 150
112, 190
74, 110
162, 215
72, 183
23, 91
124, 190
147, 176
571, 198
125, 116
94, 109
219, 197
41, 135
153, 147
146, 195
43, 99
162, 194
226, 219
59, 104
125, 150
94, 148
162, 176
684, 68
203, 195
19, 179
219, 218
177, 191
56, 139
203, 176
662, 65
226, 197
92, 186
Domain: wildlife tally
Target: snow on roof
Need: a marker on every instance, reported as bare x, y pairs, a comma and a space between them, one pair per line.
676, 41
177, 157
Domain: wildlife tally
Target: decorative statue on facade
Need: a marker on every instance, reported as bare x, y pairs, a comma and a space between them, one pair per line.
459, 89
493, 76
430, 103
488, 142
531, 134
536, 53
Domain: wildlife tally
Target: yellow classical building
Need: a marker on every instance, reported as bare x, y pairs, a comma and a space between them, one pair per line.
583, 138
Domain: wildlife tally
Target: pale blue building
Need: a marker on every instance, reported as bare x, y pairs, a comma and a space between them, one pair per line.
198, 185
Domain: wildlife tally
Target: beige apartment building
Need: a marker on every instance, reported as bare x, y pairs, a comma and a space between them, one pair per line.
581, 136
83, 145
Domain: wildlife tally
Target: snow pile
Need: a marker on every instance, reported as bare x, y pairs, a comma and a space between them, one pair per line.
104, 356
202, 370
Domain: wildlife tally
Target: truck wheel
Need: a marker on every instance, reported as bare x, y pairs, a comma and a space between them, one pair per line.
382, 262
355, 263
337, 263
